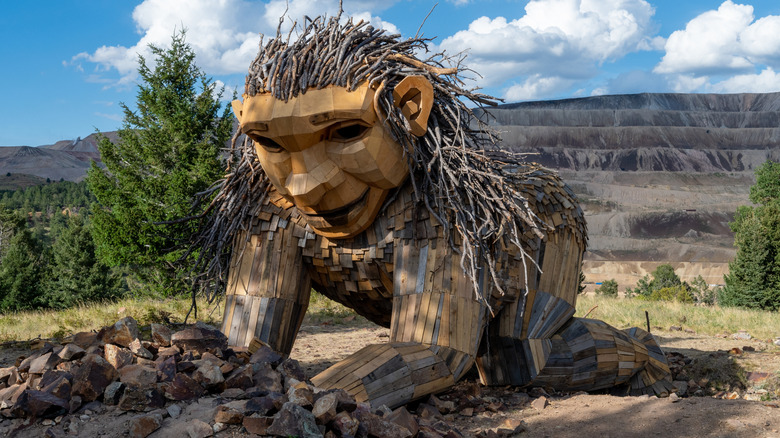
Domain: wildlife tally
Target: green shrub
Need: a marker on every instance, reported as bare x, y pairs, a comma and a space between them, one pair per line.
679, 293
608, 288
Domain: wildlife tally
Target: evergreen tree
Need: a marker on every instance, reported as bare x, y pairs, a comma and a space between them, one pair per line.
76, 274
167, 151
21, 271
754, 275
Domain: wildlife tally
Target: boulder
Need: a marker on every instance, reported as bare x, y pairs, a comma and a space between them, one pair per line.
161, 335
117, 356
138, 376
293, 420
92, 377
200, 338
123, 332
143, 426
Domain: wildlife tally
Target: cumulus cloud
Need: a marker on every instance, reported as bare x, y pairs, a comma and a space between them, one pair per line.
225, 34
724, 51
555, 43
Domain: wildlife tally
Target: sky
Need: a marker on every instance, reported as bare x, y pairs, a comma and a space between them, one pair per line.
69, 63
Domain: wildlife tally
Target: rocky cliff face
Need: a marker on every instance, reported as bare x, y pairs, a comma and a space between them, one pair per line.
659, 175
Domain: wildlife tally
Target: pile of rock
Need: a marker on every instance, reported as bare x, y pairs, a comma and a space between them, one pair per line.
262, 393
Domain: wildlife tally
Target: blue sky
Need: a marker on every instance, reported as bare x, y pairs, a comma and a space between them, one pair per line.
68, 63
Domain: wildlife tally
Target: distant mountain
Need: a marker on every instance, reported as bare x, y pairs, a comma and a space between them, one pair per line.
659, 175
66, 159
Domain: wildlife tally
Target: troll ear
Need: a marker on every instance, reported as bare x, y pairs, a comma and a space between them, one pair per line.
414, 96
238, 108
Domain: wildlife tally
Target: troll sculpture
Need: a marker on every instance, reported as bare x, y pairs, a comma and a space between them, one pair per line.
364, 176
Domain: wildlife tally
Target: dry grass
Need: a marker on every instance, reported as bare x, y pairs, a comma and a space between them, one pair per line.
619, 312
48, 324
622, 312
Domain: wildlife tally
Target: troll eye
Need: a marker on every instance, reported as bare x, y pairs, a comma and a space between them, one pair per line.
348, 132
265, 142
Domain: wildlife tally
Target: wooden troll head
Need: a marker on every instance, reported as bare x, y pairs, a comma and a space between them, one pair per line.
343, 115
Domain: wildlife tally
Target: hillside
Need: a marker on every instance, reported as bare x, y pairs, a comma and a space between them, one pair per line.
659, 175
66, 159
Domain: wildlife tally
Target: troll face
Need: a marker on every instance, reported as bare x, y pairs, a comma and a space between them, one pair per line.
328, 152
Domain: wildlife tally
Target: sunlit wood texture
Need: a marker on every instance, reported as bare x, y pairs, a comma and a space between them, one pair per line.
268, 291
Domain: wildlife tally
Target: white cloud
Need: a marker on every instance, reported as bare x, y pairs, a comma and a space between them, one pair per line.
555, 43
768, 81
224, 34
536, 87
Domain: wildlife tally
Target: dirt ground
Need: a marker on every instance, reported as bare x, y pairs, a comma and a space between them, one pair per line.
567, 415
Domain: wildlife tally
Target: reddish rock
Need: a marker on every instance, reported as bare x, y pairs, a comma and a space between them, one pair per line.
26, 363
118, 357
378, 426
228, 416
300, 395
345, 424
161, 334
346, 401
138, 375
199, 429
291, 368
293, 420
200, 338
168, 351
404, 418
8, 396
183, 388
137, 349
166, 369
445, 407
60, 388
138, 399
209, 375
38, 404
266, 379
71, 352
540, 403
92, 377
240, 378
123, 332
266, 355
143, 426
257, 425
84, 339
428, 412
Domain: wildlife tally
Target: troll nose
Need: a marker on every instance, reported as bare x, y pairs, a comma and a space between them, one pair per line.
306, 189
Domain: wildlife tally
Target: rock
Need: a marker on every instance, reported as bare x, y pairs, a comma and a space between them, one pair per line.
161, 334
200, 338
741, 335
291, 368
345, 424
675, 328
301, 396
735, 351
236, 393
346, 401
540, 403
266, 379
60, 388
71, 352
748, 349
240, 378
118, 357
183, 388
674, 398
325, 408
378, 426
168, 351
445, 407
137, 349
92, 377
777, 342
210, 376
38, 404
123, 332
265, 355
428, 412
174, 411
84, 339
113, 393
732, 396
260, 405
257, 425
138, 376
44, 363
293, 420
166, 369
143, 426
682, 387
402, 417
467, 412
199, 429
228, 416
139, 398
74, 404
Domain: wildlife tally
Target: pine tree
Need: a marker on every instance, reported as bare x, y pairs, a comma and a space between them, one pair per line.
21, 272
167, 151
77, 275
754, 275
